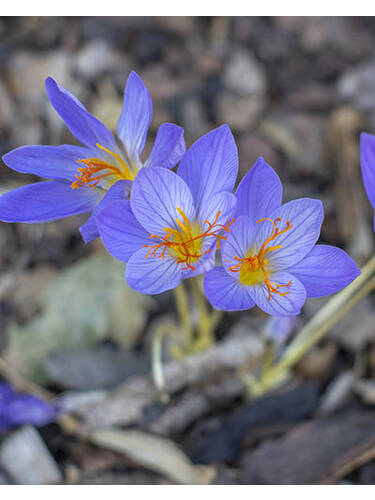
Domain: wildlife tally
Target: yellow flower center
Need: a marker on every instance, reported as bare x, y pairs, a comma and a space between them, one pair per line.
254, 269
185, 243
96, 169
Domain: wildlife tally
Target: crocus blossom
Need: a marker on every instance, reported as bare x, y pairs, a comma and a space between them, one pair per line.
19, 409
173, 222
270, 257
368, 166
101, 162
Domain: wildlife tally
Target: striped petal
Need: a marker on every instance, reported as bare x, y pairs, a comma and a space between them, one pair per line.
85, 127
225, 292
50, 162
120, 231
325, 270
152, 275
278, 305
156, 196
169, 147
47, 201
210, 165
135, 118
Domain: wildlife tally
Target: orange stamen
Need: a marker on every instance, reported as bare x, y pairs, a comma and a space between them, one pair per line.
249, 267
185, 247
88, 175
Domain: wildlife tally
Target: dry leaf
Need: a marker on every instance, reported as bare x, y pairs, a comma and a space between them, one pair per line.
158, 454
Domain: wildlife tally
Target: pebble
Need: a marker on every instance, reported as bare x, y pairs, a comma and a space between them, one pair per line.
336, 393
357, 85
27, 460
244, 75
98, 57
97, 367
37, 67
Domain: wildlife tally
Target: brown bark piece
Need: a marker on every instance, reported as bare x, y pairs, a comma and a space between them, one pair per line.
309, 453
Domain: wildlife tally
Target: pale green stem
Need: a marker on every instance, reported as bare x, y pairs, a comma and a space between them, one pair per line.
206, 325
268, 358
316, 328
162, 331
182, 304
156, 362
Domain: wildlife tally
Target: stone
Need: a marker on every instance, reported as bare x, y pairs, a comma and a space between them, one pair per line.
98, 367
337, 393
244, 75
358, 86
27, 460
28, 71
98, 57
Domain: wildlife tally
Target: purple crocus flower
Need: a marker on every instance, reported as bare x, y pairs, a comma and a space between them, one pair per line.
270, 257
368, 166
101, 163
170, 227
19, 409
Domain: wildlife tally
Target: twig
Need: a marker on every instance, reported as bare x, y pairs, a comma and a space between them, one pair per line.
125, 405
349, 464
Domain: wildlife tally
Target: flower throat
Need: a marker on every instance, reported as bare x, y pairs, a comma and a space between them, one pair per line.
252, 269
185, 243
96, 169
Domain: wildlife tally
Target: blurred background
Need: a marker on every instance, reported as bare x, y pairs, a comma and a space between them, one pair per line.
294, 90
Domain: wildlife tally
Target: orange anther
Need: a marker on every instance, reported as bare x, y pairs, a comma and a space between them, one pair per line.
185, 243
96, 169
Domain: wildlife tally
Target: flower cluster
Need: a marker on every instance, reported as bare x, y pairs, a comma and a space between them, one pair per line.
167, 226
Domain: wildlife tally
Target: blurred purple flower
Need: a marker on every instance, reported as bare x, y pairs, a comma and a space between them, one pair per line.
101, 162
19, 409
368, 166
270, 257
279, 328
171, 226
